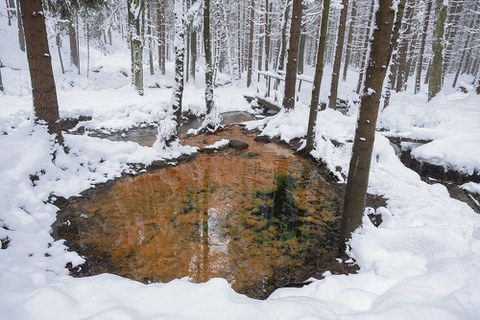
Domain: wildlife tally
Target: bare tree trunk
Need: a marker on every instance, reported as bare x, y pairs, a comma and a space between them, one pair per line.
435, 79
268, 26
291, 74
332, 102
150, 37
2, 88
135, 13
250, 45
74, 51
392, 55
58, 41
209, 102
403, 68
349, 40
365, 48
161, 36
357, 183
193, 52
317, 82
21, 36
45, 103
179, 43
464, 51
426, 22
283, 43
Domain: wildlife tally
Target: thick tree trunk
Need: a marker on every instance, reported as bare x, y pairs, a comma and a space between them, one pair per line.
332, 102
291, 72
357, 183
317, 81
44, 93
435, 78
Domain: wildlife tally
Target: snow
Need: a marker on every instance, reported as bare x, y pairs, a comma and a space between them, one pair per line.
422, 262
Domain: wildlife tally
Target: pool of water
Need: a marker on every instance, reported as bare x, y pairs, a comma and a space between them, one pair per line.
260, 217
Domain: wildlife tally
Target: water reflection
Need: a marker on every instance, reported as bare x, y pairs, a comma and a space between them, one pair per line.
257, 217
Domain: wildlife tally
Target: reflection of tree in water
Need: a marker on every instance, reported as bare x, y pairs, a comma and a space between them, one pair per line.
247, 219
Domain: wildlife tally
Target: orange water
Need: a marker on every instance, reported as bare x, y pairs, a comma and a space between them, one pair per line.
254, 217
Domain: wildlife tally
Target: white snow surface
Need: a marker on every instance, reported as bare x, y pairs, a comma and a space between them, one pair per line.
422, 262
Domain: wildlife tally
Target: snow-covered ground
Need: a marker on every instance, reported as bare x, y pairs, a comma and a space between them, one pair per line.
422, 262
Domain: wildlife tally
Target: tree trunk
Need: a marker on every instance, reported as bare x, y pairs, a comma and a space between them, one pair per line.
268, 26
426, 21
135, 12
357, 183
2, 88
74, 51
392, 55
332, 102
464, 51
179, 43
250, 45
45, 104
283, 43
193, 52
365, 49
161, 36
21, 36
317, 82
349, 40
402, 66
435, 79
58, 41
209, 102
291, 72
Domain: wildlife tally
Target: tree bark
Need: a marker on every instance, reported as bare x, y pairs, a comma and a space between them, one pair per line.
435, 79
332, 102
317, 81
44, 93
291, 72
359, 169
